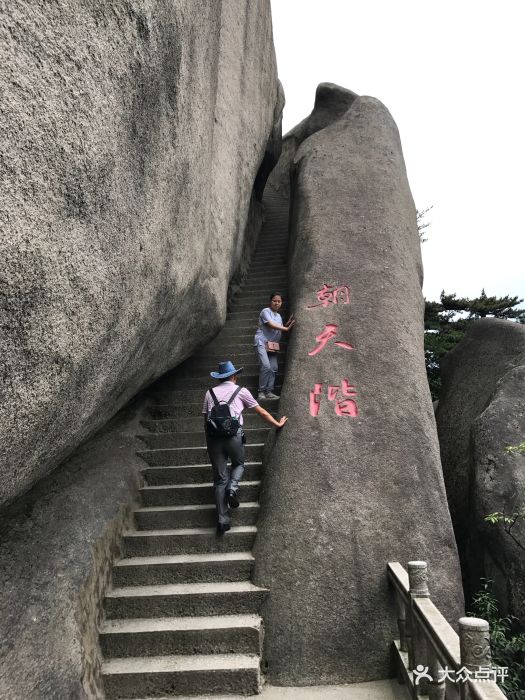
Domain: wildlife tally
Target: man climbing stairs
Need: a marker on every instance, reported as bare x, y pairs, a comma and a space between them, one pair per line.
182, 616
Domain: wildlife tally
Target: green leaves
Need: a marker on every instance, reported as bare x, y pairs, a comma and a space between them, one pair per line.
516, 449
506, 646
447, 321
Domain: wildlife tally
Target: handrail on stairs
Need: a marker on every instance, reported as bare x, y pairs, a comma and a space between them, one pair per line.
431, 658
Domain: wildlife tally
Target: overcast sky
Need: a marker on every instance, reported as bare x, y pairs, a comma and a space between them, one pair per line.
452, 75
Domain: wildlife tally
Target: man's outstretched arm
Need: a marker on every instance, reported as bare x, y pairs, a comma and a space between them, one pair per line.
269, 418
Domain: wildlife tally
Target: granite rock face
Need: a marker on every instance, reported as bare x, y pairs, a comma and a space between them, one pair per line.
132, 136
354, 479
482, 411
331, 103
56, 549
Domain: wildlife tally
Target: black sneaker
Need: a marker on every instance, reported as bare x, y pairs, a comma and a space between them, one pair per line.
233, 500
222, 528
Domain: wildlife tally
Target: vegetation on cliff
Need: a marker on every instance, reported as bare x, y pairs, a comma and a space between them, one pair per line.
447, 321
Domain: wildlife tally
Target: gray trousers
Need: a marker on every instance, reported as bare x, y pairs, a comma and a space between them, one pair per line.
225, 478
267, 368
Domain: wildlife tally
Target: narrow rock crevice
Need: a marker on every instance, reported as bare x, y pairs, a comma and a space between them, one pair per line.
182, 615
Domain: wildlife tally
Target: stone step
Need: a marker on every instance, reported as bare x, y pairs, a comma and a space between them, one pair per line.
194, 395
184, 600
248, 315
259, 294
238, 353
269, 263
271, 231
192, 410
194, 474
157, 518
389, 689
157, 440
208, 363
261, 283
149, 543
190, 456
193, 494
183, 568
255, 306
193, 369
179, 394
203, 381
246, 323
271, 254
195, 423
250, 367
265, 286
278, 244
270, 276
210, 357
220, 634
270, 260
239, 359
208, 674
236, 335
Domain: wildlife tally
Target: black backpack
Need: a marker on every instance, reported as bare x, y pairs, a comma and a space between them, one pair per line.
220, 422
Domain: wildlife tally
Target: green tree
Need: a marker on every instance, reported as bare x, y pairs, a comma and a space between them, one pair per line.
509, 520
507, 643
447, 321
421, 224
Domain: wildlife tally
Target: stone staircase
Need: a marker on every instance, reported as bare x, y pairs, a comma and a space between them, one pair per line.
182, 616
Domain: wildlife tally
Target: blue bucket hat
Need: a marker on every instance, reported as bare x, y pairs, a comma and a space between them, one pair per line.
226, 369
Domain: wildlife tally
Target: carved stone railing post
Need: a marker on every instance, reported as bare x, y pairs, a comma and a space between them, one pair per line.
418, 582
418, 579
474, 646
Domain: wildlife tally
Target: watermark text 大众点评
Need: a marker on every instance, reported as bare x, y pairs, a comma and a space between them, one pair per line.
482, 674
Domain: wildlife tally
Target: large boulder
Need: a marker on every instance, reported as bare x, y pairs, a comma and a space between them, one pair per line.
132, 135
354, 479
56, 553
481, 412
331, 103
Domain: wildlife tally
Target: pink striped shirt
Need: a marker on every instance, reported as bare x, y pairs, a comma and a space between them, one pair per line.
223, 391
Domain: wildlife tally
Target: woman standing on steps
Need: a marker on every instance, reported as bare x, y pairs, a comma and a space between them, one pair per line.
266, 343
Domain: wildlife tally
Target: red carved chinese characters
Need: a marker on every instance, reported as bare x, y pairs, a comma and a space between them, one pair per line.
341, 394
315, 399
328, 294
344, 405
330, 331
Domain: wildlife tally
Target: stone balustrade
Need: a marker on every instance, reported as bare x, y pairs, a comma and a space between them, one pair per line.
431, 658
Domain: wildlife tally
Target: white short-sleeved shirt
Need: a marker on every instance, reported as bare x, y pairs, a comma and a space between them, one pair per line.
223, 391
264, 332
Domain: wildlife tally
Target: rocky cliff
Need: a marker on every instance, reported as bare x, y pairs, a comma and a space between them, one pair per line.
132, 136
480, 413
354, 479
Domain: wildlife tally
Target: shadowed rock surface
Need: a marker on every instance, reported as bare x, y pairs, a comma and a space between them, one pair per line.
56, 546
131, 140
482, 411
331, 103
344, 495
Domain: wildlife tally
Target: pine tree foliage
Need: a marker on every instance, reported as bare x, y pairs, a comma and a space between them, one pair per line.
421, 224
447, 321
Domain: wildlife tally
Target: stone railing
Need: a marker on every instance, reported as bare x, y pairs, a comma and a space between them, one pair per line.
432, 660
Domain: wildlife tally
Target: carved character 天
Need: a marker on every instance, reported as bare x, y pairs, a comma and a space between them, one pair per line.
330, 331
